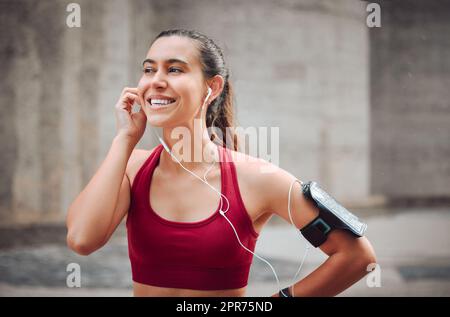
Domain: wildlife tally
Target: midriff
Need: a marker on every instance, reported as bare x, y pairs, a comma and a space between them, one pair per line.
141, 290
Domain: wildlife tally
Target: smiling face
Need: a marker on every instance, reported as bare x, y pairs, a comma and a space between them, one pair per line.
172, 83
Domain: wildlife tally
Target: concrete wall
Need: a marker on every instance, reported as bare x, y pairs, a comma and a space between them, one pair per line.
410, 111
32, 63
302, 66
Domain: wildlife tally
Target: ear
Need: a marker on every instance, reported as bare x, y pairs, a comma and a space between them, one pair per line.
216, 84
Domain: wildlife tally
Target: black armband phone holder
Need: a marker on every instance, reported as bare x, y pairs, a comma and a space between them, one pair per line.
331, 216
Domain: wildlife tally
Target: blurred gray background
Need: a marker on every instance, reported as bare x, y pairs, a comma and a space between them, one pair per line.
363, 111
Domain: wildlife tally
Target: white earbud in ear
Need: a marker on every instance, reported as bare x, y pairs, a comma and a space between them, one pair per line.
201, 110
209, 94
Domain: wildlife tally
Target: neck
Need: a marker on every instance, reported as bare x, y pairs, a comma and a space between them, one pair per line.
193, 149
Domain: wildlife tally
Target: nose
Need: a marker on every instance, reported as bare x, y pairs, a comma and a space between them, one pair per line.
152, 83
157, 81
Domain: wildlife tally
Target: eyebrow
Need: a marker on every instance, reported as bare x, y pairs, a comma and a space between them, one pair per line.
167, 61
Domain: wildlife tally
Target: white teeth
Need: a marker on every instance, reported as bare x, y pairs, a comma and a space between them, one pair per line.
158, 102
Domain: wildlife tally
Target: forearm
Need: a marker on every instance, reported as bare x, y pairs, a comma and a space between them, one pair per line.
337, 273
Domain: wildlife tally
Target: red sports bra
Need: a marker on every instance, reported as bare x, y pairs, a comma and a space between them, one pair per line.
202, 255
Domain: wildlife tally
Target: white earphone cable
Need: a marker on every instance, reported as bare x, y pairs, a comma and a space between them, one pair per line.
292, 222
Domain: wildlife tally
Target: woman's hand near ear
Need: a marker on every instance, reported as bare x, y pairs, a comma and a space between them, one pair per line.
128, 124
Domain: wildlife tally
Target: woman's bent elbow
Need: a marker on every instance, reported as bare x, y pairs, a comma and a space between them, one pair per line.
80, 245
366, 256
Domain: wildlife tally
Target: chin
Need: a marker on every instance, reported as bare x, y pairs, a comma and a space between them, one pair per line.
158, 120
155, 122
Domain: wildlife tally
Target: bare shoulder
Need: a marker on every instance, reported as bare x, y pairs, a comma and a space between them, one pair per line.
260, 172
267, 187
261, 180
137, 158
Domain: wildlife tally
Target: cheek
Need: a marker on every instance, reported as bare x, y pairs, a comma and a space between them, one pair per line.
189, 93
141, 87
141, 84
183, 92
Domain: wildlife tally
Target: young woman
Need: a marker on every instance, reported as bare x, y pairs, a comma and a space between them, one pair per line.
180, 242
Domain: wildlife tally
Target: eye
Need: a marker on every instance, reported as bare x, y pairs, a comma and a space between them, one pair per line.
147, 70
176, 70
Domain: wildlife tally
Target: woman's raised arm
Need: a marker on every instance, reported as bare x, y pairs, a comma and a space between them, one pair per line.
99, 208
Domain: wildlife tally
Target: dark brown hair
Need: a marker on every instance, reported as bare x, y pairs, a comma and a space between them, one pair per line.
220, 113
